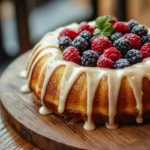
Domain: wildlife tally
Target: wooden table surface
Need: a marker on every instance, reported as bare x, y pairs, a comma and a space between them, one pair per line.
9, 139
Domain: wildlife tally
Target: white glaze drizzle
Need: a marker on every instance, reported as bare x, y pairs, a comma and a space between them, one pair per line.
44, 111
134, 74
113, 96
23, 74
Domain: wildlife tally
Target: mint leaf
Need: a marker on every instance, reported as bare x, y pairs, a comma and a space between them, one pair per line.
97, 31
103, 26
102, 21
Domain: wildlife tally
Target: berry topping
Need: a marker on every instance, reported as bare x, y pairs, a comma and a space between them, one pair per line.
115, 36
139, 30
64, 42
68, 32
121, 63
132, 23
86, 35
123, 45
89, 58
134, 56
85, 26
112, 53
145, 50
134, 40
101, 43
80, 43
146, 39
113, 20
104, 62
108, 44
121, 27
72, 54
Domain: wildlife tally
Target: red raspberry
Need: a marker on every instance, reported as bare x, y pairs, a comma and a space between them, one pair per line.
72, 54
113, 20
104, 62
145, 50
101, 43
134, 40
121, 27
85, 26
112, 53
68, 32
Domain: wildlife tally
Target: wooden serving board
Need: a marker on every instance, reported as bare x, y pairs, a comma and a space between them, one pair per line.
53, 132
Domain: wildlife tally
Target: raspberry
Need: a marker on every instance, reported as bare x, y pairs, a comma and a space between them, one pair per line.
68, 32
85, 26
115, 36
113, 20
121, 63
134, 56
139, 30
132, 23
72, 54
134, 40
89, 58
104, 62
101, 43
121, 27
64, 42
145, 50
86, 35
112, 53
146, 39
123, 45
80, 43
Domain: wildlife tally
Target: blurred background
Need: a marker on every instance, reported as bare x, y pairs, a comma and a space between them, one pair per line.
24, 22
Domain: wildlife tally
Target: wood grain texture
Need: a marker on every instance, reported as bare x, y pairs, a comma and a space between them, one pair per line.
53, 132
9, 139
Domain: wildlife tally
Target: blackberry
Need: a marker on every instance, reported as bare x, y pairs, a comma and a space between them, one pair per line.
115, 36
146, 39
132, 23
139, 30
134, 56
121, 63
89, 58
80, 43
123, 45
64, 42
86, 35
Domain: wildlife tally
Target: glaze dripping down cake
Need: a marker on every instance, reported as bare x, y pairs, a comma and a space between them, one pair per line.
95, 71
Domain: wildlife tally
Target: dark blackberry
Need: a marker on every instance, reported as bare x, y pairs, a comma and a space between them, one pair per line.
134, 56
132, 23
80, 43
146, 39
64, 42
89, 58
123, 45
121, 63
86, 35
139, 30
115, 36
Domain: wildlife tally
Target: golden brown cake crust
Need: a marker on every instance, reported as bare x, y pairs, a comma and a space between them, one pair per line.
76, 103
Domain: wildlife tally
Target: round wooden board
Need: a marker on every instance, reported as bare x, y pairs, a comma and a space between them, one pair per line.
53, 132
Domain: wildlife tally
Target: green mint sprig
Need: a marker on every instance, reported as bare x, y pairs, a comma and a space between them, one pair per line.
103, 26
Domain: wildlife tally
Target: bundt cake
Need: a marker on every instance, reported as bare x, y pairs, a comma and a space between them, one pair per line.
99, 73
